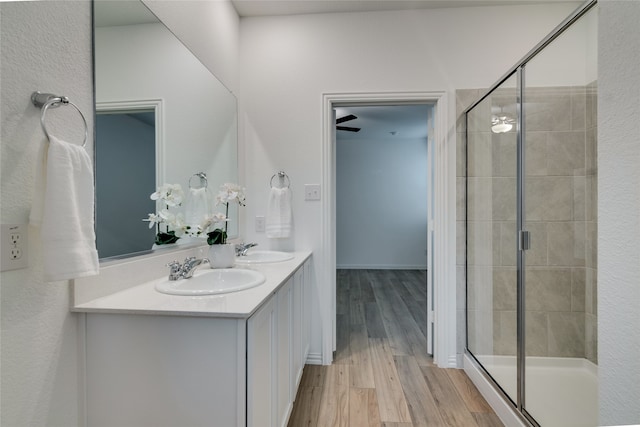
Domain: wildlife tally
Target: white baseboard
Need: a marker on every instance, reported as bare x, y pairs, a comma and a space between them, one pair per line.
314, 359
502, 409
380, 267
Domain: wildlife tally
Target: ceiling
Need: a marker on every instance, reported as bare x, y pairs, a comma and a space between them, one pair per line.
247, 8
114, 13
378, 121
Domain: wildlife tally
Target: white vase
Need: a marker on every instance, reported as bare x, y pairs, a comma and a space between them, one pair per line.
222, 256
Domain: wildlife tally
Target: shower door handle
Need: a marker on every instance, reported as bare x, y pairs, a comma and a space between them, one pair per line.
524, 240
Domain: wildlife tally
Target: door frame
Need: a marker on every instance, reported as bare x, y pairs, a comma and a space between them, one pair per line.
137, 105
443, 276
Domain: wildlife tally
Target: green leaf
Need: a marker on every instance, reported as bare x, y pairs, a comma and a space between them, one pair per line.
217, 237
166, 238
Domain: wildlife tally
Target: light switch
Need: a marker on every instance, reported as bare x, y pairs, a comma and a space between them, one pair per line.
260, 223
312, 191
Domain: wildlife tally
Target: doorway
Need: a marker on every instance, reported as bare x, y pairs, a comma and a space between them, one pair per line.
125, 171
382, 214
441, 227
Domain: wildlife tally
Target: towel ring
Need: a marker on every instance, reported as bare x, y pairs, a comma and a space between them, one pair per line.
202, 176
282, 176
48, 100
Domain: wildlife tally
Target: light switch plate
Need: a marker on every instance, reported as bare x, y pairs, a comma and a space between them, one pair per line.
312, 191
13, 246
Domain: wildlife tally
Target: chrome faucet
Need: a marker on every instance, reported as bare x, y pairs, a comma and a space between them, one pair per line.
242, 248
185, 270
175, 270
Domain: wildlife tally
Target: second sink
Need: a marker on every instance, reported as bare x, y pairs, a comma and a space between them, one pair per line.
263, 257
212, 282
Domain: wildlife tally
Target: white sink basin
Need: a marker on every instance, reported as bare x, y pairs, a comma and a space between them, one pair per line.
263, 257
212, 282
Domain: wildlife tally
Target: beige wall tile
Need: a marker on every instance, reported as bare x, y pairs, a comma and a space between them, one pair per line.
508, 244
566, 153
461, 154
505, 288
549, 198
578, 109
505, 333
479, 154
566, 243
460, 199
536, 153
504, 154
504, 199
579, 198
578, 289
547, 110
479, 201
548, 289
566, 333
591, 338
536, 333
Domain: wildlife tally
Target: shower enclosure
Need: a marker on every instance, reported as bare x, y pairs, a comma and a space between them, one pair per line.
531, 225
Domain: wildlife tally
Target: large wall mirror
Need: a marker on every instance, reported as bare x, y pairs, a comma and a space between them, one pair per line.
161, 118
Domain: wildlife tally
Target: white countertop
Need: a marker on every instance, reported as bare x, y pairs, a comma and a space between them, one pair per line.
144, 299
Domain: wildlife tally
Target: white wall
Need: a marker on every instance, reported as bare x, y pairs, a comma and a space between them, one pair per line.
618, 212
210, 29
288, 62
381, 203
46, 46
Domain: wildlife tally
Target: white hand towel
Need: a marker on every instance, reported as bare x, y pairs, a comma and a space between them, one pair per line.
278, 222
63, 208
197, 206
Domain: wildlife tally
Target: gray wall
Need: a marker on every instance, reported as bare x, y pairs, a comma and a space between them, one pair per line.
125, 178
381, 203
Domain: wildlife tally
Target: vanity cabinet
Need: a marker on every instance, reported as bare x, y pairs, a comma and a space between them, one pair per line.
170, 370
278, 344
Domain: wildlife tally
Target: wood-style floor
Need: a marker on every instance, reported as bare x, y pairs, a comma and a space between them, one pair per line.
381, 375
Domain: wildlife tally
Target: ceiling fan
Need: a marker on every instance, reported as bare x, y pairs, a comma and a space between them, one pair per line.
346, 119
502, 123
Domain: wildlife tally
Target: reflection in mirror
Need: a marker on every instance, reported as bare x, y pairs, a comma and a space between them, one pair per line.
161, 118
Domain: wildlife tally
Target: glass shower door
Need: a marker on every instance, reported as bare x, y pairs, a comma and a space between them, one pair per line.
491, 235
559, 99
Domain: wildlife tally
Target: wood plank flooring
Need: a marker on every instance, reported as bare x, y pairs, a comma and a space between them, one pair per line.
381, 375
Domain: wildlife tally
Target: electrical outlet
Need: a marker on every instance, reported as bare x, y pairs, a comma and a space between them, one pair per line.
14, 238
260, 223
16, 253
13, 246
312, 191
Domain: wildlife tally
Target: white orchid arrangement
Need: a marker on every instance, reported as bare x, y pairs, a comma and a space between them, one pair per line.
172, 196
228, 193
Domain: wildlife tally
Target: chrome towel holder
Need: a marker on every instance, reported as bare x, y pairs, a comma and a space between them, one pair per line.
203, 179
49, 100
282, 177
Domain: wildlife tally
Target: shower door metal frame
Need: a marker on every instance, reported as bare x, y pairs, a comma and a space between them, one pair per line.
523, 236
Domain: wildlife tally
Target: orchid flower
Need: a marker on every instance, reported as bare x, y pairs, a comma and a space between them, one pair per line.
170, 194
229, 193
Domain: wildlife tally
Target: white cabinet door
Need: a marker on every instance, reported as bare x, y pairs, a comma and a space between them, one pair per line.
284, 317
261, 367
306, 311
297, 362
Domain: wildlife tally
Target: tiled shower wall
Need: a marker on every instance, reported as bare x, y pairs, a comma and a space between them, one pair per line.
560, 206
